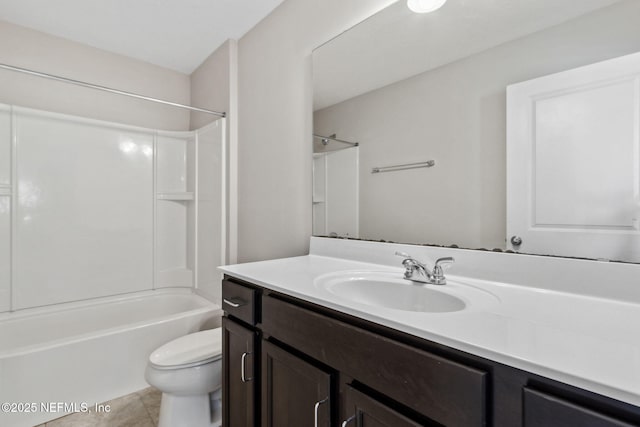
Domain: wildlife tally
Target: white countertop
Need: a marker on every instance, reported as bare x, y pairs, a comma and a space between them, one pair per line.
590, 342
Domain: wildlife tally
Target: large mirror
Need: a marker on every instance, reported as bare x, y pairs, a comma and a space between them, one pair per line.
411, 119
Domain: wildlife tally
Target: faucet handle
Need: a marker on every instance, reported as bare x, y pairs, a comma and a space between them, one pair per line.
438, 270
409, 260
446, 261
409, 263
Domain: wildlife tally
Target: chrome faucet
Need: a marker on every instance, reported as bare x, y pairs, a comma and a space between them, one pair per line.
419, 272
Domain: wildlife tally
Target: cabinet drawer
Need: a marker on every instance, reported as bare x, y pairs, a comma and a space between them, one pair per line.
240, 301
545, 410
364, 411
445, 391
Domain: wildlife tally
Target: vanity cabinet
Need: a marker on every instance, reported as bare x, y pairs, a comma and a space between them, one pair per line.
309, 365
445, 391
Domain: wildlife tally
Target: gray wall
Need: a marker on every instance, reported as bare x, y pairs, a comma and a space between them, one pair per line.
456, 115
211, 83
23, 47
275, 122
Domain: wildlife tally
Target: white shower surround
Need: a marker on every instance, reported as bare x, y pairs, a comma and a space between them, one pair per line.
90, 352
107, 234
90, 209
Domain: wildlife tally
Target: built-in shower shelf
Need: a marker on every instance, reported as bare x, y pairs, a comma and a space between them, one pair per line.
177, 196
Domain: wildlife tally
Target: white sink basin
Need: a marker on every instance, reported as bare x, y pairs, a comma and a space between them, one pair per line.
390, 290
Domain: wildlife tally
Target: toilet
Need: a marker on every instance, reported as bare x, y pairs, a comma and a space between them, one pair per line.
188, 372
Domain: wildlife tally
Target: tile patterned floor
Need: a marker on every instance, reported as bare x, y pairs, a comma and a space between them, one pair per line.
140, 409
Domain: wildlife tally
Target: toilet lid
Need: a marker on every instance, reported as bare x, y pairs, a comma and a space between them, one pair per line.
190, 350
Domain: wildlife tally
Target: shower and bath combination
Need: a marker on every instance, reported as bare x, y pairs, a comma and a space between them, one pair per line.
115, 235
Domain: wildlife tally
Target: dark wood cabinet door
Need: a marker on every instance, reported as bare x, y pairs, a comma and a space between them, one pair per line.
364, 411
545, 410
294, 392
238, 368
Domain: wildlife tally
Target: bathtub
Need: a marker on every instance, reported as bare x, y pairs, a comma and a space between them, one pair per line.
66, 358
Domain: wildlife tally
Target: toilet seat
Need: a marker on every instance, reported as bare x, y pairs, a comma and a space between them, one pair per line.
189, 351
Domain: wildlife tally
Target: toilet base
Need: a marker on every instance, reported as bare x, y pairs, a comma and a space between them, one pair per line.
190, 411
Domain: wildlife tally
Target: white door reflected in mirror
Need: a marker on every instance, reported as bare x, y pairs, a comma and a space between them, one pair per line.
572, 160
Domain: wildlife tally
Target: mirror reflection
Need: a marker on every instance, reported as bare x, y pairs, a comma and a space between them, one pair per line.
505, 124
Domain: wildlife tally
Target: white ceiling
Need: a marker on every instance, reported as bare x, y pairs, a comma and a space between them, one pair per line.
396, 43
176, 34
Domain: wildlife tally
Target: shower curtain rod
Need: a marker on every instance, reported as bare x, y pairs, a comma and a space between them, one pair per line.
108, 89
332, 138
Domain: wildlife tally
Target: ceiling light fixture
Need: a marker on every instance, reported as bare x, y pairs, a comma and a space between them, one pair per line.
425, 6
